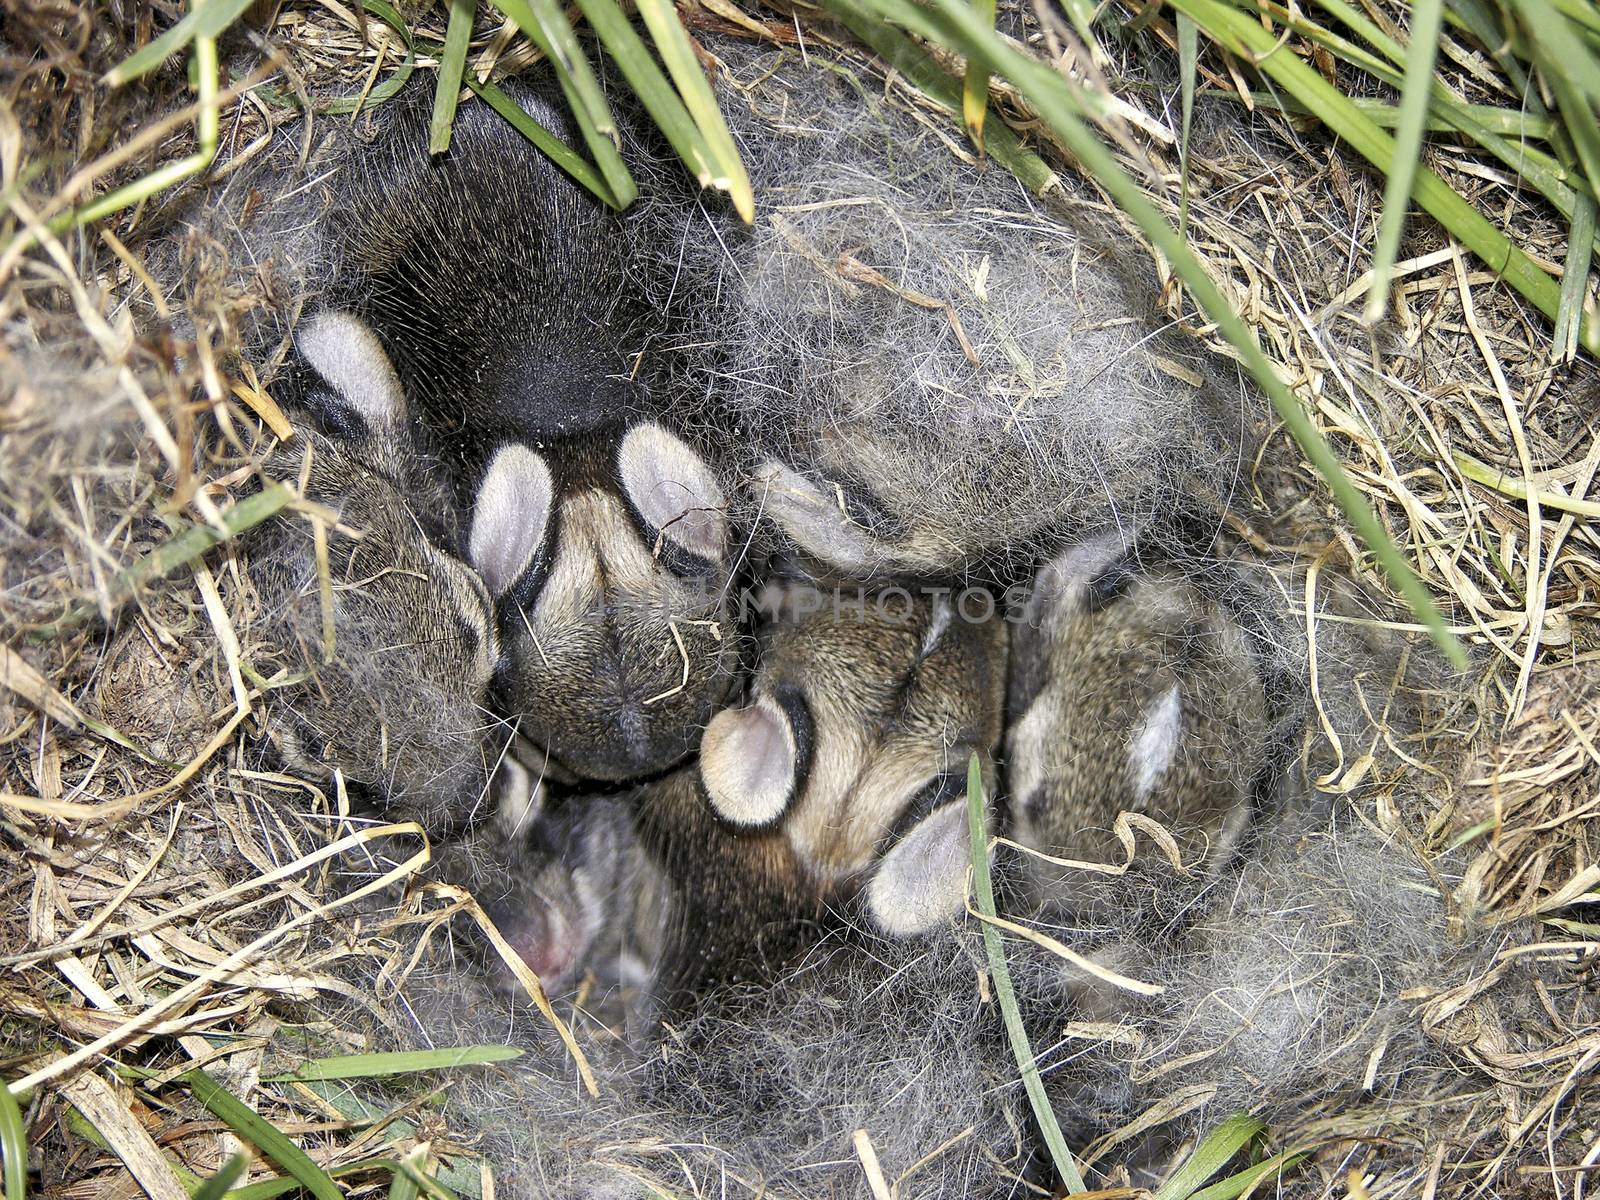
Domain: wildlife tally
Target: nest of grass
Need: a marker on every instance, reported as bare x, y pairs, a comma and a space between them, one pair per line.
173, 907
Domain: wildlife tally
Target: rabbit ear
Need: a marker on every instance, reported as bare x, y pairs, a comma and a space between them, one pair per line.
521, 798
344, 351
812, 517
1156, 744
510, 517
748, 763
922, 880
673, 489
1067, 580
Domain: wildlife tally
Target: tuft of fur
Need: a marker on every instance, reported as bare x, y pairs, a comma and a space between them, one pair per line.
751, 1091
929, 370
1288, 984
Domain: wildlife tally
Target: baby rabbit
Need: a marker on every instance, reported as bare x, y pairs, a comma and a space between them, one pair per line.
568, 884
398, 708
931, 372
841, 783
507, 298
1130, 692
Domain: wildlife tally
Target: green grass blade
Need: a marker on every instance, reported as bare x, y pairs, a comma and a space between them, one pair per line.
1246, 1181
205, 78
345, 105
1387, 47
269, 1189
452, 68
1583, 929
404, 1187
1426, 20
1081, 13
911, 61
1241, 34
1358, 22
727, 169
217, 1186
649, 84
13, 1146
1004, 994
1515, 155
181, 550
1047, 92
206, 19
1575, 280
1579, 123
1561, 51
1482, 21
1583, 12
546, 26
1483, 124
399, 1062
1572, 73
1503, 122
1498, 480
424, 1185
543, 22
1579, 114
1188, 57
975, 84
1210, 1156
553, 148
259, 1132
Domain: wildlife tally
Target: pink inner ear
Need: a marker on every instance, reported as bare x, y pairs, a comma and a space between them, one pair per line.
547, 941
747, 761
673, 489
510, 516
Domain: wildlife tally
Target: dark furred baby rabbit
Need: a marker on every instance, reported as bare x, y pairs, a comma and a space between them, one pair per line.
840, 784
507, 300
400, 708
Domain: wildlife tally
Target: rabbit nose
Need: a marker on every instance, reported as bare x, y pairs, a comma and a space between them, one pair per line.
625, 743
636, 742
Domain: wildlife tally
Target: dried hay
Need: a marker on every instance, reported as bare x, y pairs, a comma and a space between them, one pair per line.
174, 904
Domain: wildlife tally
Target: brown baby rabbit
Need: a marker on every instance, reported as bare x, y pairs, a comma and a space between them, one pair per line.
1132, 692
841, 783
399, 706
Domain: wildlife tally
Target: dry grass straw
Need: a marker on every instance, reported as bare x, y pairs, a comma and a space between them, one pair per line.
167, 901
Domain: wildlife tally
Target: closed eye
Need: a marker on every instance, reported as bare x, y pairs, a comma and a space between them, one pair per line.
862, 506
671, 553
935, 794
792, 701
525, 592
